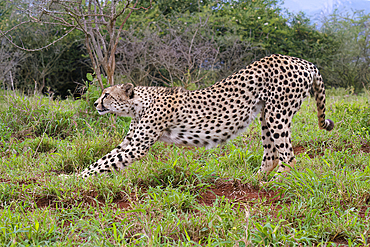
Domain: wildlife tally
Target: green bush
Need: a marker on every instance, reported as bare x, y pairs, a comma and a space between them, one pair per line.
350, 64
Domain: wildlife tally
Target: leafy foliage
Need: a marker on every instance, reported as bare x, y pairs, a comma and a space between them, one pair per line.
237, 32
351, 65
54, 70
261, 25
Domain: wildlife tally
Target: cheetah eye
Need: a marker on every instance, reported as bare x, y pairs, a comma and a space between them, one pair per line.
106, 94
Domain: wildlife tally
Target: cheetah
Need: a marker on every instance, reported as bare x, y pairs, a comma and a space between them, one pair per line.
274, 86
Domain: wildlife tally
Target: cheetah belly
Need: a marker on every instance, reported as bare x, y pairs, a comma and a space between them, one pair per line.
170, 136
199, 136
180, 138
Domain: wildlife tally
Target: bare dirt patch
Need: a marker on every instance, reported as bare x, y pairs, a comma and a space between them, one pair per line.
20, 182
3, 180
301, 149
45, 201
237, 192
340, 241
366, 147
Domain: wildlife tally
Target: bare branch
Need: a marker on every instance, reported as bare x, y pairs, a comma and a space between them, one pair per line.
41, 48
62, 22
96, 19
16, 26
185, 55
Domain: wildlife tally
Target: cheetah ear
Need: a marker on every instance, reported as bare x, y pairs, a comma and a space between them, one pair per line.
128, 89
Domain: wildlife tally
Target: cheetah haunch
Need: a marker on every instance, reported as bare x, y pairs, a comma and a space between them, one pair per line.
275, 86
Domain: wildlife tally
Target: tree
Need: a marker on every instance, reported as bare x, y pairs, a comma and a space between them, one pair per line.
179, 55
100, 21
57, 69
39, 65
351, 66
9, 59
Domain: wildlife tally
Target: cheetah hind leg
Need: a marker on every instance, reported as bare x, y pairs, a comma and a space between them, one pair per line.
283, 170
280, 173
270, 154
277, 145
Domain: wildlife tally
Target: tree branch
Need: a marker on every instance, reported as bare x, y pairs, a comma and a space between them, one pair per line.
38, 49
22, 23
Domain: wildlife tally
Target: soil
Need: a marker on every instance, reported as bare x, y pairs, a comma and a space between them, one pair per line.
45, 201
366, 148
236, 192
3, 180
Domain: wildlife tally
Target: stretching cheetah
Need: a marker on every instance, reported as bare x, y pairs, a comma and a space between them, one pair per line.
275, 86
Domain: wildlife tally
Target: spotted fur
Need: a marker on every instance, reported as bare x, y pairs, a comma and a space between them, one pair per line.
275, 86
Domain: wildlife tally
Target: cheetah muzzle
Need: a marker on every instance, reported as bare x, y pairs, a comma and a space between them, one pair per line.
275, 86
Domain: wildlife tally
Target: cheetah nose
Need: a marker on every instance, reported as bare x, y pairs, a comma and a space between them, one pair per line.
96, 104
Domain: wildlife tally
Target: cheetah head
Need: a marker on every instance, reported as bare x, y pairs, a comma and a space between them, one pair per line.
116, 99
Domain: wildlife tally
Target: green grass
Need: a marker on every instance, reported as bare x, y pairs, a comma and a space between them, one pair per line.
160, 200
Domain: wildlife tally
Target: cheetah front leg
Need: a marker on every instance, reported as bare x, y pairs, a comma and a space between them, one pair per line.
118, 149
142, 139
127, 139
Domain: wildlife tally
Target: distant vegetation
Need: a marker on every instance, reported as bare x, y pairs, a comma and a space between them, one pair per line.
192, 44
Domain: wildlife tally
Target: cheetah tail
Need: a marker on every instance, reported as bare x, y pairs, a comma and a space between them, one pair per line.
319, 91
